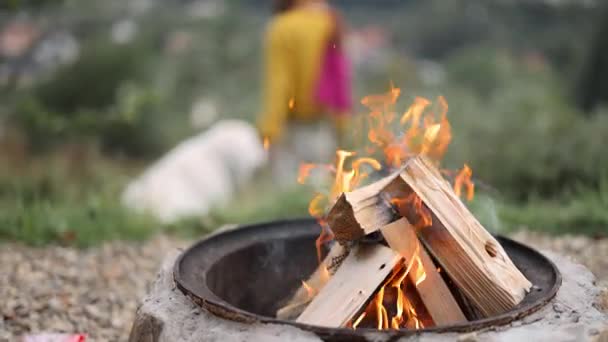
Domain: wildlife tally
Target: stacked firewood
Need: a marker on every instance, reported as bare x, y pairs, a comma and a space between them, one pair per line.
457, 269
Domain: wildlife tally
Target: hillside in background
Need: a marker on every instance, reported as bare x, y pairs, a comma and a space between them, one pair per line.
101, 88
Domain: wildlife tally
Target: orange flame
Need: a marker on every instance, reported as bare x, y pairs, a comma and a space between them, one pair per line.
316, 207
344, 181
383, 101
358, 321
423, 133
405, 314
310, 292
325, 236
464, 179
423, 129
292, 103
412, 200
420, 274
325, 274
304, 173
414, 113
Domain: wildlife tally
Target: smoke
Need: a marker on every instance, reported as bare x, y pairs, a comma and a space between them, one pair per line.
484, 209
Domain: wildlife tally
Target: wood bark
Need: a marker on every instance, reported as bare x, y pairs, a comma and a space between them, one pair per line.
362, 211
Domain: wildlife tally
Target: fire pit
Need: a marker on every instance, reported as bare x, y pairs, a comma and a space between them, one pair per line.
408, 258
245, 275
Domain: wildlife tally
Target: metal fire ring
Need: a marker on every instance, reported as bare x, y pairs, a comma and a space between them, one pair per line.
269, 259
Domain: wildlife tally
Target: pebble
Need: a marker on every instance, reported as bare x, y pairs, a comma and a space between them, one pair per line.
591, 252
97, 290
603, 336
602, 301
558, 308
470, 337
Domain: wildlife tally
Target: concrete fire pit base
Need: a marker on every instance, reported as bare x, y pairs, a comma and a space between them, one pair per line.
166, 315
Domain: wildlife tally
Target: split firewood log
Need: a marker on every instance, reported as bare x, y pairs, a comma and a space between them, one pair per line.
315, 283
353, 284
435, 294
471, 256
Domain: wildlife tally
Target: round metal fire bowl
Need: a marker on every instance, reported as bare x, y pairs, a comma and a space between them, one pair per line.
246, 274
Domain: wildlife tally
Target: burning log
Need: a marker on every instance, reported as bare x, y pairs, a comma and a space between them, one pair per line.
421, 218
305, 294
353, 284
363, 211
436, 296
472, 258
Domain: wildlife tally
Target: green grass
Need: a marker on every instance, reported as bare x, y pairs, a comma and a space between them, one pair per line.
72, 198
266, 206
61, 199
512, 117
54, 200
100, 217
86, 223
584, 211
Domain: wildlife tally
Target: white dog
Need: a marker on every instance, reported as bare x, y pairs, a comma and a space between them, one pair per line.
200, 173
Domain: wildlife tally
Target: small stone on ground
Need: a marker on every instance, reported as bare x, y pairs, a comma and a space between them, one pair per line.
97, 291
593, 253
94, 291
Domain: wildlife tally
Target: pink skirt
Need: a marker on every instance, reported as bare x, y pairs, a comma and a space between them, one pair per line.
334, 85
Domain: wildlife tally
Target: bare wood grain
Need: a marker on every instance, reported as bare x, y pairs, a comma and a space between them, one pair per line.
302, 297
436, 296
353, 284
470, 255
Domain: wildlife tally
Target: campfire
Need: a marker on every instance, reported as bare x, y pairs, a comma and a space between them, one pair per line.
404, 252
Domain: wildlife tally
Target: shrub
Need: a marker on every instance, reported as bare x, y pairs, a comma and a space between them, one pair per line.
525, 137
103, 97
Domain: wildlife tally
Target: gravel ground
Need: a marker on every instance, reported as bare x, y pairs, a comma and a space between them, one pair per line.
590, 252
96, 291
92, 291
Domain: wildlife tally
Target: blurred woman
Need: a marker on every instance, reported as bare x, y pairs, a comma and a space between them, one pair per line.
306, 85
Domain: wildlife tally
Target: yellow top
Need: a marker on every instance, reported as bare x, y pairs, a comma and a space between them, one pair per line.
294, 45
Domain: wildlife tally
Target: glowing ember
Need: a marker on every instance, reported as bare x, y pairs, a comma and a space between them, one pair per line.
292, 103
266, 143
